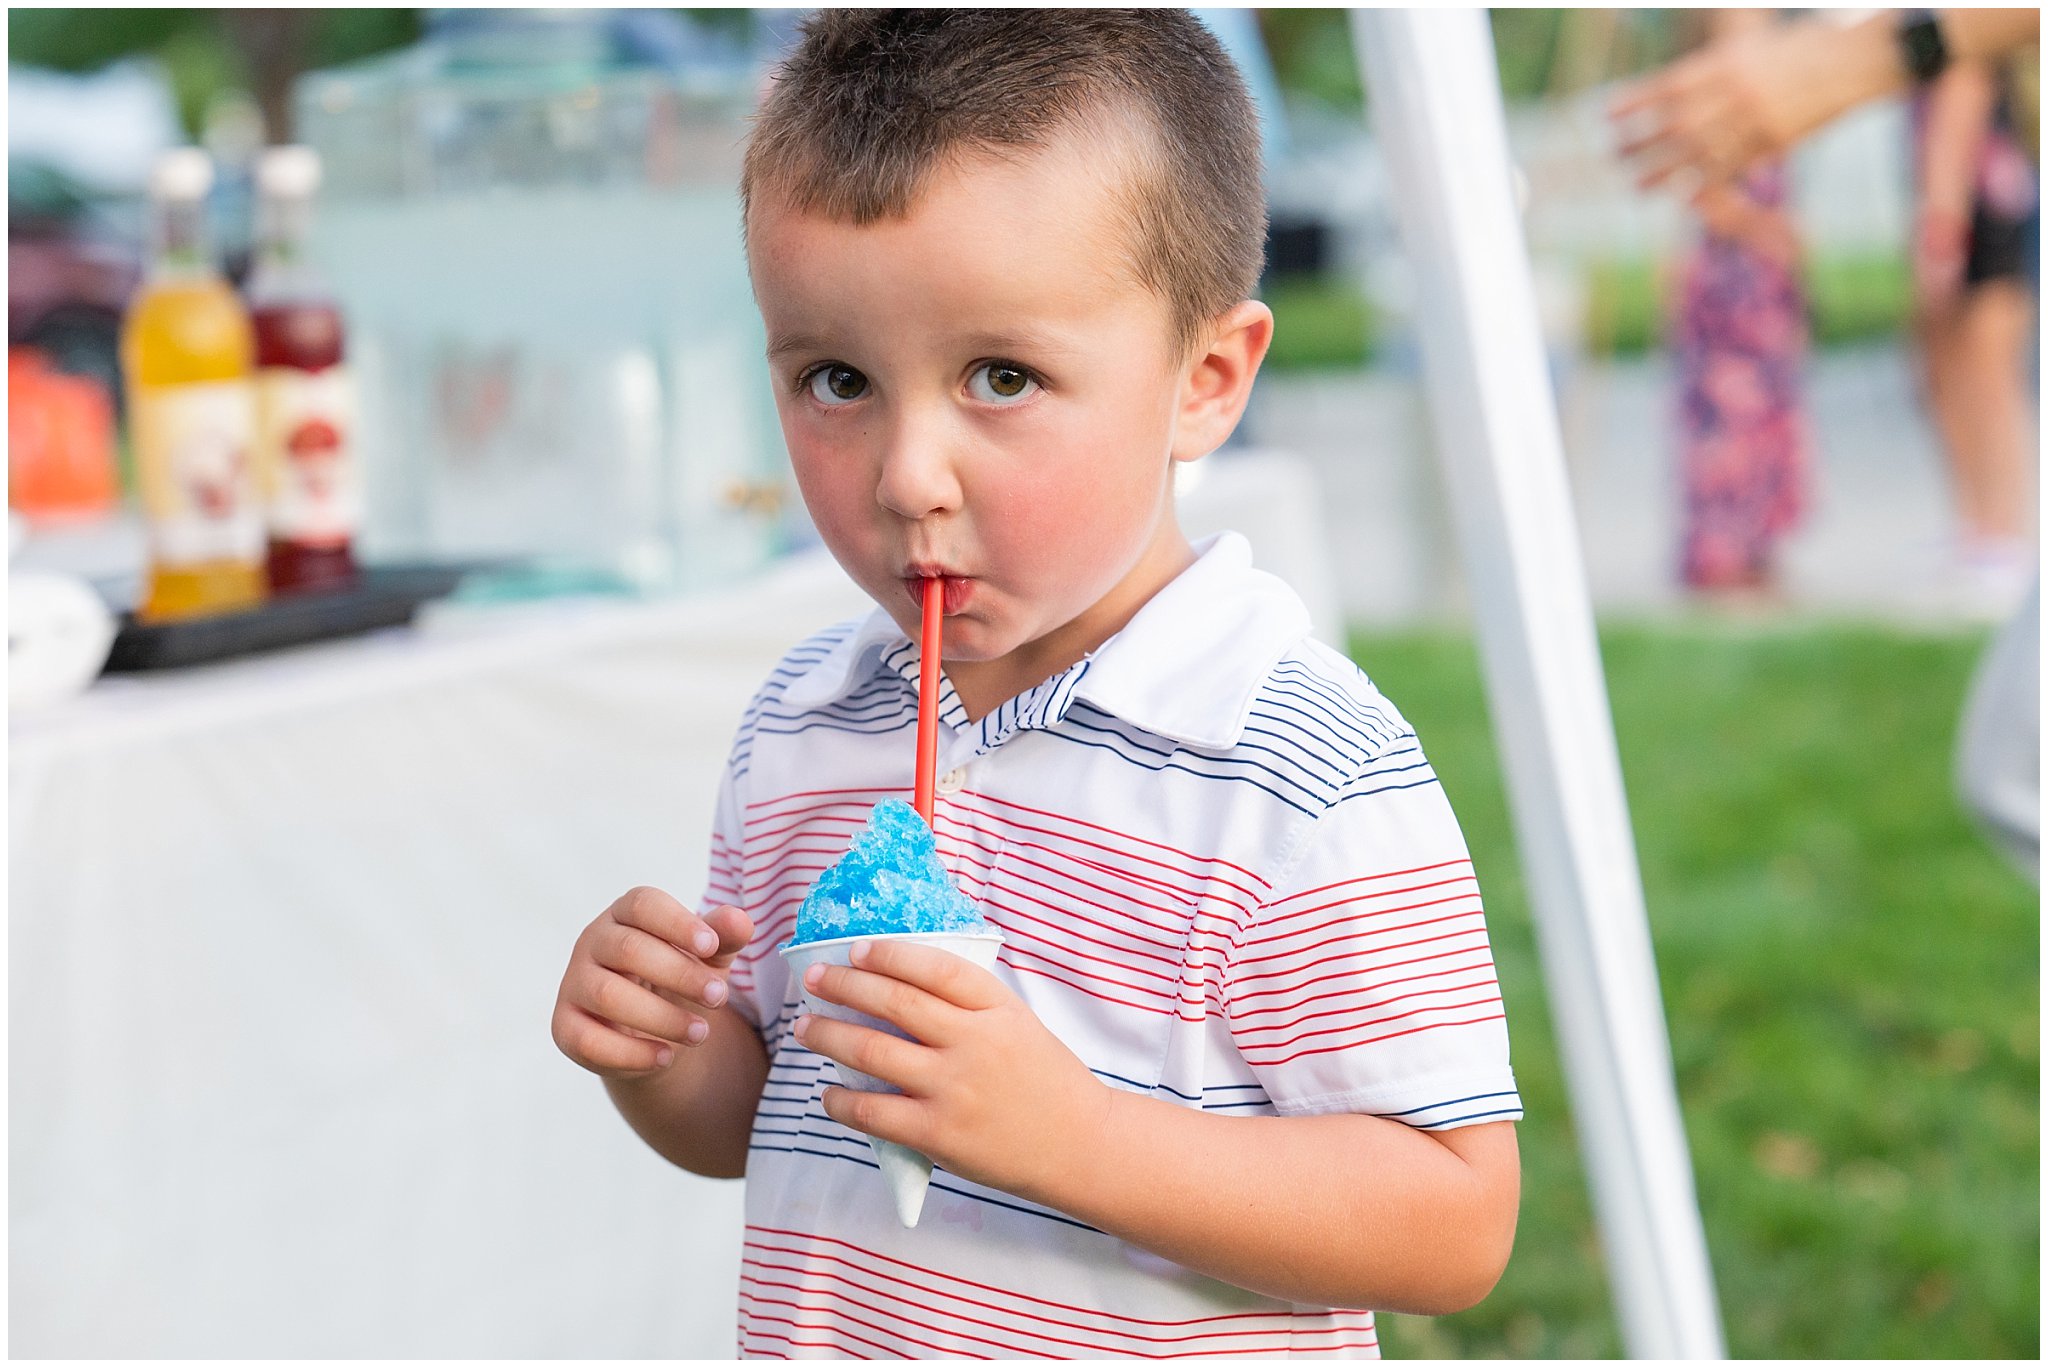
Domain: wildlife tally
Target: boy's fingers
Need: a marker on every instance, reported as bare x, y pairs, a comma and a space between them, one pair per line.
631, 951
604, 1049
618, 1000
894, 1001
734, 929
886, 1116
898, 1062
941, 973
658, 914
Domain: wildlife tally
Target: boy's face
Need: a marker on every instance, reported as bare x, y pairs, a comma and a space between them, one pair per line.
979, 390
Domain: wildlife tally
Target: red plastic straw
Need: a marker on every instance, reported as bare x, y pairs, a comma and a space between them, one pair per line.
928, 696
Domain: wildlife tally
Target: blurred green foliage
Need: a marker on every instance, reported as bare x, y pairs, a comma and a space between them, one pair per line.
1852, 983
1525, 45
195, 45
1853, 297
1313, 59
1320, 323
1624, 307
1860, 297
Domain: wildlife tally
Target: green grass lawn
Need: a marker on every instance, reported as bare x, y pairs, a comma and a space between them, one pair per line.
1320, 323
1852, 298
1851, 977
1327, 323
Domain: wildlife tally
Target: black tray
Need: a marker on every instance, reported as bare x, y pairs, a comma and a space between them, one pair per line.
384, 596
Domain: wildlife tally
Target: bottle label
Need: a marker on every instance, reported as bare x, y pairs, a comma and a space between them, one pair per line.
194, 463
312, 489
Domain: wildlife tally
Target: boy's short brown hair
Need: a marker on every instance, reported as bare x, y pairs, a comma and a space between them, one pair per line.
872, 102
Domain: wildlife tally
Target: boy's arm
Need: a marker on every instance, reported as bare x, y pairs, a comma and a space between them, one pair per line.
1347, 1210
699, 1112
1333, 1210
661, 1012
1362, 989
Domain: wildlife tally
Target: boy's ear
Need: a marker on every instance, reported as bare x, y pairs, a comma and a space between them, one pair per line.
1219, 379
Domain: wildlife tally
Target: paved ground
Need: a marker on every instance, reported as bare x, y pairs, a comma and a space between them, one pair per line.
1871, 546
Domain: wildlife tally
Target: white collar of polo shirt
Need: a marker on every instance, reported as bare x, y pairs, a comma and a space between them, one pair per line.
1162, 672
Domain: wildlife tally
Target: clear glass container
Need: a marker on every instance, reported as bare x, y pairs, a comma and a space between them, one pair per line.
536, 236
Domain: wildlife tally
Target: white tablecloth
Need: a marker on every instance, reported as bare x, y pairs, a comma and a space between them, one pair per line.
285, 938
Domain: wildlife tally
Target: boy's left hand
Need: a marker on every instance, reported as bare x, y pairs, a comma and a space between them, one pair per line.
988, 1091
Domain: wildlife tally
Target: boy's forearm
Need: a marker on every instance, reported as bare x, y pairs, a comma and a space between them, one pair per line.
699, 1112
1349, 1211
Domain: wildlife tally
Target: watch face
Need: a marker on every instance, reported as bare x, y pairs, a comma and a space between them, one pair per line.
1921, 45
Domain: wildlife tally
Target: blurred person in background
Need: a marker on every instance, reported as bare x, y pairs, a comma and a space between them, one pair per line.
1978, 209
1708, 118
1739, 334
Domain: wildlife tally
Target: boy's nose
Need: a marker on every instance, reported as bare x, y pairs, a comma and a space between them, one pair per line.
918, 478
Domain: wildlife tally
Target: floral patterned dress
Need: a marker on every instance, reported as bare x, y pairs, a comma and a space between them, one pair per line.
1740, 338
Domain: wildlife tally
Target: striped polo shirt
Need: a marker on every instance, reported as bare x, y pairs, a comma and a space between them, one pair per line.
1225, 876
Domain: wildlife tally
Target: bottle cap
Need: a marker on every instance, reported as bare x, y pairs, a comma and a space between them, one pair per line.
288, 172
183, 173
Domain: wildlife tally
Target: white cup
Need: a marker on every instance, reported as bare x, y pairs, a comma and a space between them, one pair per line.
908, 1173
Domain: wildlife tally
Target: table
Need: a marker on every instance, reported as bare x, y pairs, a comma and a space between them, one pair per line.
286, 935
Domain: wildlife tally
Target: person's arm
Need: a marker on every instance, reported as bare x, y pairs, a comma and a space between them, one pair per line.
1335, 1210
1729, 211
1959, 111
1713, 114
1354, 1211
698, 1113
1979, 35
647, 1005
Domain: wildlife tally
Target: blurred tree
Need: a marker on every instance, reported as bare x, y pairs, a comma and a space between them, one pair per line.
1525, 44
1312, 57
734, 23
1540, 51
272, 44
206, 52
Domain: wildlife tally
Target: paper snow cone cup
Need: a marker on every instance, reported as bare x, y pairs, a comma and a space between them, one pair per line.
907, 1172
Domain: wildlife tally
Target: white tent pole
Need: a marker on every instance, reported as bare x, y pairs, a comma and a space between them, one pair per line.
1437, 108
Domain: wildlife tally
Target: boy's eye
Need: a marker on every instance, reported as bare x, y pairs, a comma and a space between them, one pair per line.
999, 382
837, 384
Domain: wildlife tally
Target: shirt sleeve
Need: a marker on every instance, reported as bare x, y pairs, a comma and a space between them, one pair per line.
724, 884
1366, 982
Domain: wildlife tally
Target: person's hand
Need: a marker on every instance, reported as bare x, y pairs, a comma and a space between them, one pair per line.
1941, 249
640, 980
1710, 116
988, 1091
1724, 210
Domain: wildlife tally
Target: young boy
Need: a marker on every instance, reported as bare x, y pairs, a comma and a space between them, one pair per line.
1241, 1073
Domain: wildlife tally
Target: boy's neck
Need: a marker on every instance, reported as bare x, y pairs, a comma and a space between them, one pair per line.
982, 686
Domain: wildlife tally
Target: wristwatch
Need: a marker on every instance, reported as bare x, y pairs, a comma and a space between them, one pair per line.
1921, 46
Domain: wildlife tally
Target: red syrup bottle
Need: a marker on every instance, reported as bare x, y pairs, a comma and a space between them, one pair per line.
305, 404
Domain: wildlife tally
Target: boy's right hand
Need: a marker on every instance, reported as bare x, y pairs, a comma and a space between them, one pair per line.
640, 980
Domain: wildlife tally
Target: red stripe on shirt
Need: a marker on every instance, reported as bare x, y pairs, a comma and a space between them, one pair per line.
1391, 1035
1017, 1323
1279, 903
1239, 1030
1485, 965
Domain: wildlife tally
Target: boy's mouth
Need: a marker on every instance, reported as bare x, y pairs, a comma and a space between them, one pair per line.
957, 590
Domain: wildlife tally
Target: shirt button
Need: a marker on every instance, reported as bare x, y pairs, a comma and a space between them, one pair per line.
952, 781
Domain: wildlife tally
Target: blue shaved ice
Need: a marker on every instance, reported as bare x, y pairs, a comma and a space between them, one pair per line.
888, 881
